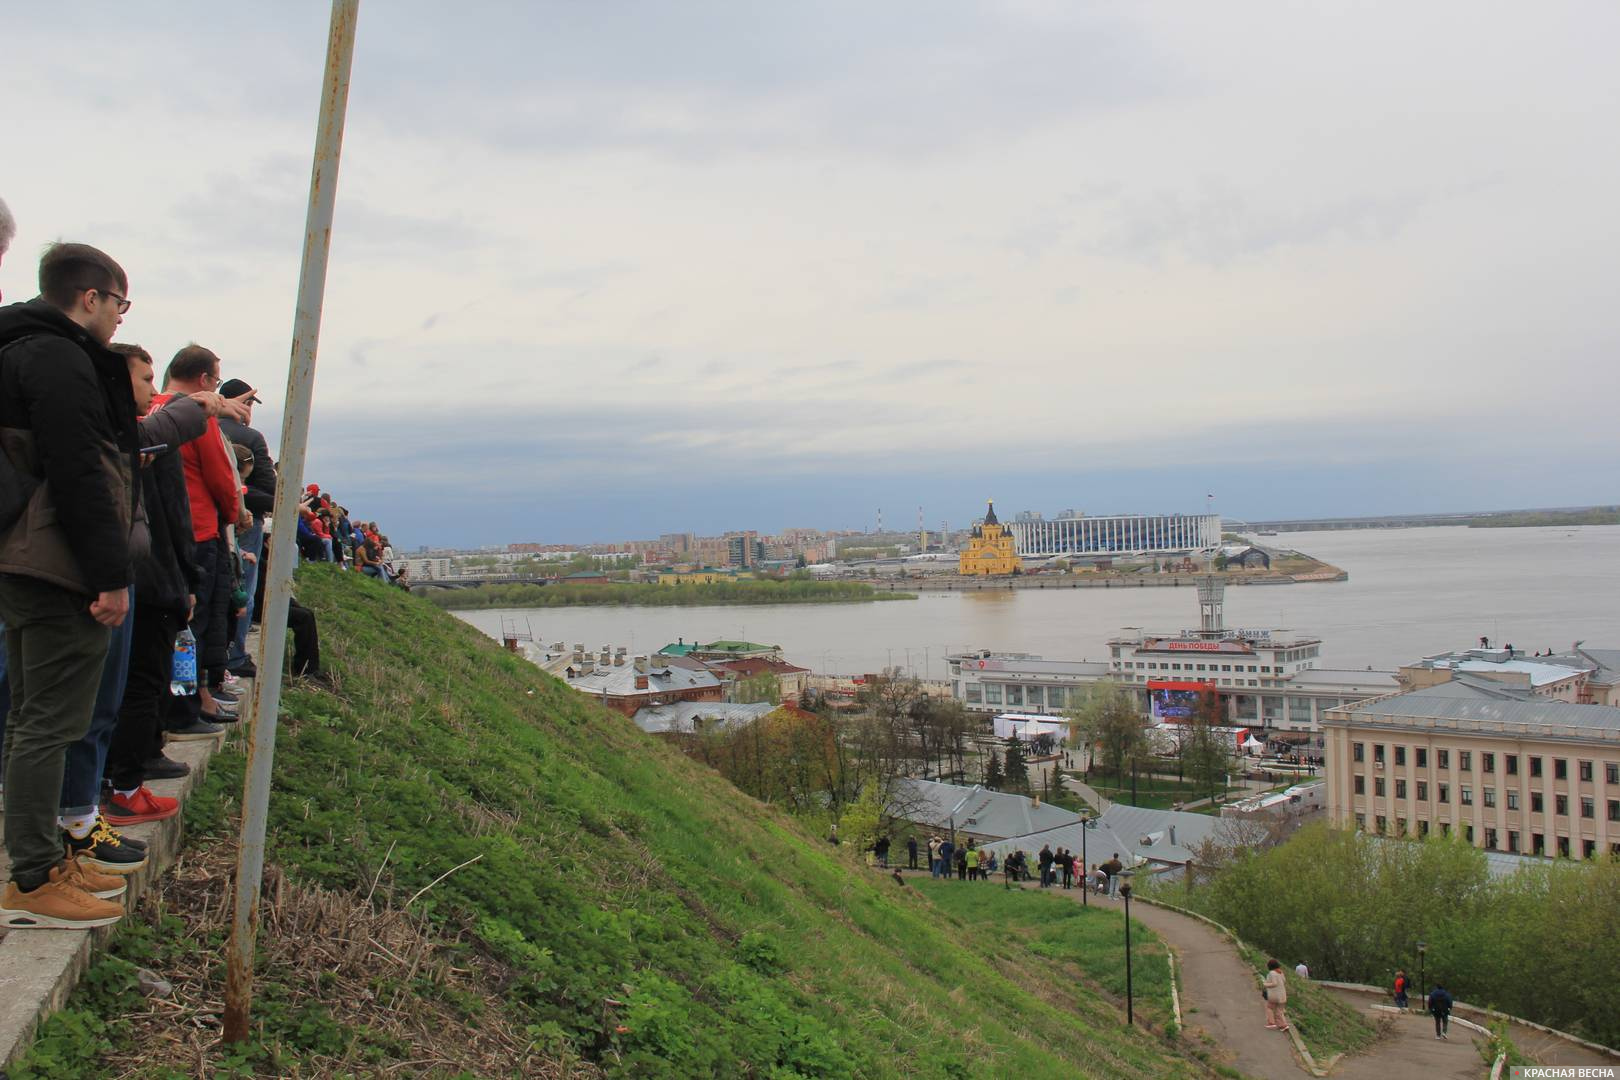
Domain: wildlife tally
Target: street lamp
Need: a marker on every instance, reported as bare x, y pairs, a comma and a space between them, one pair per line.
1130, 1011
1422, 947
1087, 823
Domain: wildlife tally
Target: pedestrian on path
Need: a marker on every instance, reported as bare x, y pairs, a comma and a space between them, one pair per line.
1276, 994
1400, 988
1440, 1008
1113, 868
933, 856
1046, 865
1301, 970
911, 853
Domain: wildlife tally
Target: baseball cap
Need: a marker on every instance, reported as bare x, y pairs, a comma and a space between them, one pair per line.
235, 388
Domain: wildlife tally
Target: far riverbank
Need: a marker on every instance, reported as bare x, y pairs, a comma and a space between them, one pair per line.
632, 594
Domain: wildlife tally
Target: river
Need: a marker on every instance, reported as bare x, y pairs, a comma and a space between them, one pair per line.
1411, 592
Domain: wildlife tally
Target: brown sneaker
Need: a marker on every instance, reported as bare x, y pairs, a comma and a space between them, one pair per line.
55, 905
80, 876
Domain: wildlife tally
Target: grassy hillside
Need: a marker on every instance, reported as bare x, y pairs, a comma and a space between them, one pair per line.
609, 907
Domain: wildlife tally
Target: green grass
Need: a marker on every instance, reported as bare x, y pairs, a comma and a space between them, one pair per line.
1084, 943
1153, 792
1326, 1025
627, 908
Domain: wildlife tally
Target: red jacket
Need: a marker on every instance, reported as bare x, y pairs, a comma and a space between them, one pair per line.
212, 483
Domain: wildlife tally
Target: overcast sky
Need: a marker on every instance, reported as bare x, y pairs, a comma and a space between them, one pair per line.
607, 269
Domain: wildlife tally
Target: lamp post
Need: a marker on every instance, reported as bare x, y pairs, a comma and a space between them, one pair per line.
1423, 984
1086, 824
1130, 1011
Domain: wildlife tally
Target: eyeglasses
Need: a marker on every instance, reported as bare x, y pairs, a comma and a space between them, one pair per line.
123, 304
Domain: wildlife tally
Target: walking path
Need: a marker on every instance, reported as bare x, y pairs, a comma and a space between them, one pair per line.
1219, 994
1220, 997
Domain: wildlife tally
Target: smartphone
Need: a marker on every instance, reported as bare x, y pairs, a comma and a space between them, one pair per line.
158, 449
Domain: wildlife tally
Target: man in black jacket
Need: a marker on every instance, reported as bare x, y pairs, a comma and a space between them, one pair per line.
67, 429
166, 576
260, 499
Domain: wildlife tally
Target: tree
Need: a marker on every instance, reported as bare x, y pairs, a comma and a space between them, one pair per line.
1207, 755
994, 778
1107, 719
762, 687
1017, 771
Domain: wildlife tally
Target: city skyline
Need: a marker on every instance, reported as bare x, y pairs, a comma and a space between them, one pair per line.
618, 271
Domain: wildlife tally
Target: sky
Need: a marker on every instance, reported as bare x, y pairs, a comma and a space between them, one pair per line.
606, 270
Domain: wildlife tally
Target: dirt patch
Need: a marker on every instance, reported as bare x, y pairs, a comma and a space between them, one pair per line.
339, 955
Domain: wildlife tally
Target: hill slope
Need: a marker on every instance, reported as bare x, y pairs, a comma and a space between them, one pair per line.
609, 905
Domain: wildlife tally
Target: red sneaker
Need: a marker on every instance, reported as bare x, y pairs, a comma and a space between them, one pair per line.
143, 805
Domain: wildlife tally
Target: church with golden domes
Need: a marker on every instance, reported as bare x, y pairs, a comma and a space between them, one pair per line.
990, 550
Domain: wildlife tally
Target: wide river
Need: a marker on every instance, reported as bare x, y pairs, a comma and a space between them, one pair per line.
1411, 592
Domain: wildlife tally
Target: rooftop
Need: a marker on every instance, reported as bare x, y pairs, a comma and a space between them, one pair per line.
687, 716
1136, 832
736, 647
1475, 707
620, 681
977, 810
1364, 682
1031, 665
1538, 672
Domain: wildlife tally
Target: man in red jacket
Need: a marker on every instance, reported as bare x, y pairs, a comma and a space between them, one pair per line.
215, 491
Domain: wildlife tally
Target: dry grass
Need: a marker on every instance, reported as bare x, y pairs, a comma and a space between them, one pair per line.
356, 960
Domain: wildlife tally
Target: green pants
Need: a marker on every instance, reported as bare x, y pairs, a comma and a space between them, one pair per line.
55, 652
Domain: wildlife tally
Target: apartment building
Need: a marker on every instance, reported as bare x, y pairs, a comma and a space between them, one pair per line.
1504, 768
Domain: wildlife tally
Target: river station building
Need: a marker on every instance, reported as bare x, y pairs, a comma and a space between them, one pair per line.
1268, 681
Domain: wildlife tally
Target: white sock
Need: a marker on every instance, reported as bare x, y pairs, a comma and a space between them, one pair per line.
78, 826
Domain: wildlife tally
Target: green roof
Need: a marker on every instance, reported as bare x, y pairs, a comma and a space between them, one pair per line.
736, 646
677, 650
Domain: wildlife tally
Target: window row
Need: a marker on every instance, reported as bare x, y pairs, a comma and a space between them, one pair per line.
1465, 797
1505, 840
1488, 762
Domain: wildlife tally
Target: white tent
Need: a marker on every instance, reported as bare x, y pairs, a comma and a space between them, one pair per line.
1254, 745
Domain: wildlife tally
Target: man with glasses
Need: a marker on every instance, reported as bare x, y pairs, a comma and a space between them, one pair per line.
67, 429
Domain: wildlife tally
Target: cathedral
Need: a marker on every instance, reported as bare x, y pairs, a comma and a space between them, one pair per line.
990, 550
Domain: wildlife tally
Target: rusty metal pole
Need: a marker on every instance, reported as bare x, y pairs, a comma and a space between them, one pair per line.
265, 700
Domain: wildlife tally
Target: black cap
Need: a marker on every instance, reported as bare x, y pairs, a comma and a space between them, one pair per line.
235, 388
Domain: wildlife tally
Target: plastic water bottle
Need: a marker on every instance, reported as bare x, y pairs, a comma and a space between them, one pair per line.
183, 672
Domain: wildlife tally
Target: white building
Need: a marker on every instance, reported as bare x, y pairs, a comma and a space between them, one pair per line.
1267, 680
1115, 534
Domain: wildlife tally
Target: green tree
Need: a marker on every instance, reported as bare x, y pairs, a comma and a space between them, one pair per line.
762, 687
1107, 719
994, 778
1207, 755
1017, 770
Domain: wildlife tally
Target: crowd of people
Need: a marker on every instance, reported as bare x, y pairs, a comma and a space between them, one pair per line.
132, 532
326, 534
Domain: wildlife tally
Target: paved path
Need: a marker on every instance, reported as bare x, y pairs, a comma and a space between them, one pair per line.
1220, 995
1408, 1048
1086, 792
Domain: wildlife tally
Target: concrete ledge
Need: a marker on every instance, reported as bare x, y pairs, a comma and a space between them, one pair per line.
40, 968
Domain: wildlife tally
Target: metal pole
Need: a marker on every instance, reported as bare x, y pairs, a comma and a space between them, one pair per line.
1130, 1004
265, 700
1085, 863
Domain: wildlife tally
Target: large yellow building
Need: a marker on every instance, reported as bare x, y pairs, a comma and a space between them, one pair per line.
990, 550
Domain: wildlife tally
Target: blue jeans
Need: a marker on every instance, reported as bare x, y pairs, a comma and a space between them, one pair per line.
251, 541
87, 758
